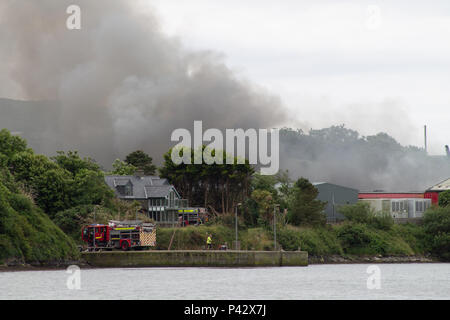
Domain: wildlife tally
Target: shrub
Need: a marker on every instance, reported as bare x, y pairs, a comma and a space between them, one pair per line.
317, 241
444, 199
366, 240
362, 212
436, 223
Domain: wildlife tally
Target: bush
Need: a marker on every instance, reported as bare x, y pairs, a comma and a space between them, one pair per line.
362, 212
361, 239
317, 241
436, 223
444, 198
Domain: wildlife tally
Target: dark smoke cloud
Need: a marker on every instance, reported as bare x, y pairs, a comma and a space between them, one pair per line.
122, 84
342, 156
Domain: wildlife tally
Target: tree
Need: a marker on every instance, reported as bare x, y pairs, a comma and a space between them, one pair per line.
304, 208
11, 145
63, 182
122, 168
220, 186
444, 198
141, 161
72, 162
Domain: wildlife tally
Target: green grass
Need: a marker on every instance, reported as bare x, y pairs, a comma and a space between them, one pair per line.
346, 239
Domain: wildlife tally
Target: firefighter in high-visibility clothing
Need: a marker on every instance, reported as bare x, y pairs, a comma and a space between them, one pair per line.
209, 242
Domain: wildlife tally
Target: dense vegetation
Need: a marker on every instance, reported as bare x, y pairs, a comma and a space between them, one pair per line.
41, 195
45, 201
219, 187
348, 238
26, 233
302, 226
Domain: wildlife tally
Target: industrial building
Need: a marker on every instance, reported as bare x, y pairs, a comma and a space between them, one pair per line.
434, 191
400, 205
335, 195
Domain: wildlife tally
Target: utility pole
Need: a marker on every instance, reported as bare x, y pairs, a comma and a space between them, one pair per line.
425, 137
236, 223
275, 226
94, 229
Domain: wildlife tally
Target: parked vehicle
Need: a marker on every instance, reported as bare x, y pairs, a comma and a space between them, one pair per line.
123, 235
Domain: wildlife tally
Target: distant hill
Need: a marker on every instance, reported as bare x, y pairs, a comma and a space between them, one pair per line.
36, 121
337, 154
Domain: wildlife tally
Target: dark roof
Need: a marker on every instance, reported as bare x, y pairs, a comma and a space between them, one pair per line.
157, 191
144, 187
334, 185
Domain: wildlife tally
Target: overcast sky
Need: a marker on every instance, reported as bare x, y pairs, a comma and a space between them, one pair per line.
371, 65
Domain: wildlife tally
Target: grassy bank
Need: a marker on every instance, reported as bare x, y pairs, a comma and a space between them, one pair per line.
347, 239
194, 238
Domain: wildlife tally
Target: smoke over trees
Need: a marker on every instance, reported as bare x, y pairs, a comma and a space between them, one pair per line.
120, 84
342, 156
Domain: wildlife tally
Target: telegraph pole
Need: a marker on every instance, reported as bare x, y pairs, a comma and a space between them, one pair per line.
275, 226
236, 225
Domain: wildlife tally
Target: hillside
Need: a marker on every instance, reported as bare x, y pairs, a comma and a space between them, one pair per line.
27, 235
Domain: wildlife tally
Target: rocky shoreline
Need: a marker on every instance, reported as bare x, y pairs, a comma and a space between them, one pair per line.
14, 265
351, 259
328, 259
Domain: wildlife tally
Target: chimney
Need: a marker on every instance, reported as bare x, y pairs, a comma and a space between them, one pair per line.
425, 134
139, 173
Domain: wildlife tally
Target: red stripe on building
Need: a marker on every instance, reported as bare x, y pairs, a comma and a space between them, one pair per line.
390, 195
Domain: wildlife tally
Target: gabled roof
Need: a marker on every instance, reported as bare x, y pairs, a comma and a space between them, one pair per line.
121, 182
157, 191
144, 187
315, 184
441, 186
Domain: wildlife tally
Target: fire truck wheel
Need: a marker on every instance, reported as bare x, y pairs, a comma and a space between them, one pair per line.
125, 246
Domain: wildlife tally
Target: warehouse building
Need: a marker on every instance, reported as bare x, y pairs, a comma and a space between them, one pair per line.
402, 206
433, 192
335, 195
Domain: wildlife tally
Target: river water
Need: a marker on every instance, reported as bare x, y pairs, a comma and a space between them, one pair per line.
345, 281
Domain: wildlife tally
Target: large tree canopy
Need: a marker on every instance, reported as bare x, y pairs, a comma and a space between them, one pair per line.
220, 186
141, 161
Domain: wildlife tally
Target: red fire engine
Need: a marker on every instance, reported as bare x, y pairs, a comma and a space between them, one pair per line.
119, 235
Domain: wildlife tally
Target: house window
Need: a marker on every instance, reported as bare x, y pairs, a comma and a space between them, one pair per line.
128, 190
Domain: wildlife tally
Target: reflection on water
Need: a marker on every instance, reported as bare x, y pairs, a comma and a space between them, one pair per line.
397, 281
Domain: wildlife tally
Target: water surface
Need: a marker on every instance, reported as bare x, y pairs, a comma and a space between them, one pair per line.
346, 281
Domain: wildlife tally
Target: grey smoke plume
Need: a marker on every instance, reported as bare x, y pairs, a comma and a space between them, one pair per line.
120, 82
378, 162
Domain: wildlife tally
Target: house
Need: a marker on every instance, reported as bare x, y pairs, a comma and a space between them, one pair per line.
335, 195
159, 199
